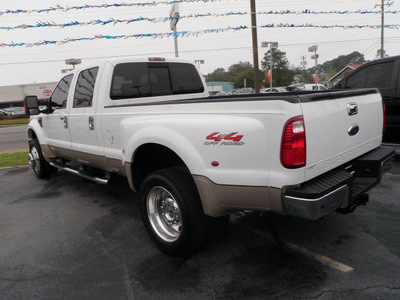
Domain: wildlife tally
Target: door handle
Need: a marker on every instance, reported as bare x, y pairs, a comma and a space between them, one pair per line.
65, 122
91, 123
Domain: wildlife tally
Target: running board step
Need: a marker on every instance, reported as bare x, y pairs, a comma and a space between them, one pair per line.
76, 172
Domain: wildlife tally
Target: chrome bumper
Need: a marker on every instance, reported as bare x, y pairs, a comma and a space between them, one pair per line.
339, 189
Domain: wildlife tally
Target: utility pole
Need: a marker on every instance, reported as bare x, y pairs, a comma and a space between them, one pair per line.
174, 17
255, 46
272, 45
199, 62
382, 23
303, 62
382, 5
315, 56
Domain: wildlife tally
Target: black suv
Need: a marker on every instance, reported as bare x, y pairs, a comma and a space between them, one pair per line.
383, 74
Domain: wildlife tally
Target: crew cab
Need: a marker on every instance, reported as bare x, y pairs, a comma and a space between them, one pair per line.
385, 75
195, 159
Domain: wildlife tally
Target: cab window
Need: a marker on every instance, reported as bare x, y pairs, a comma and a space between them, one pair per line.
135, 80
185, 79
160, 81
85, 87
60, 94
130, 80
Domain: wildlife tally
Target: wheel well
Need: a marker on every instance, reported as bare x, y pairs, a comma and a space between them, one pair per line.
31, 134
151, 157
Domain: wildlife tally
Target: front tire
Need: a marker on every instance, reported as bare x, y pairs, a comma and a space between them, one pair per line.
172, 212
37, 161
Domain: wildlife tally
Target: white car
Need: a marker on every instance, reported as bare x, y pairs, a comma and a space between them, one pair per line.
314, 87
275, 90
15, 111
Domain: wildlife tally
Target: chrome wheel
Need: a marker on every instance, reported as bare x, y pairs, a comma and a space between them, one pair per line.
164, 214
172, 212
34, 159
40, 166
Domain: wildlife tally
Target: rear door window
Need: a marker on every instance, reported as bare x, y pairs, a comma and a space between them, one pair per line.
85, 87
373, 76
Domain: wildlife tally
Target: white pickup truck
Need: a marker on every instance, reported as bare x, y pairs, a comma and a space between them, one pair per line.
195, 159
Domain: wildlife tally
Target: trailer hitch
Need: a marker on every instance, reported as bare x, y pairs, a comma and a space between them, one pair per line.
362, 200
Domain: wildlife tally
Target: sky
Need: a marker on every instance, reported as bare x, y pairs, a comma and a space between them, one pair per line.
34, 63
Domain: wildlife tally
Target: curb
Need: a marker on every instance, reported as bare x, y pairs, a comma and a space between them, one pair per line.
13, 150
19, 167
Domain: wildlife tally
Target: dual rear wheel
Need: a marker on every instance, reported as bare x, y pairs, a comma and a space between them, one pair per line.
172, 212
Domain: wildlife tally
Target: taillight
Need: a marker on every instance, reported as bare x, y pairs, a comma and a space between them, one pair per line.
293, 146
384, 117
156, 59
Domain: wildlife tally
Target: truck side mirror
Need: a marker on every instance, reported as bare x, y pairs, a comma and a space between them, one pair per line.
31, 105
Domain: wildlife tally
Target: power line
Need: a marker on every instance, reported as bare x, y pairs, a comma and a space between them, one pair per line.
114, 21
59, 8
186, 33
187, 51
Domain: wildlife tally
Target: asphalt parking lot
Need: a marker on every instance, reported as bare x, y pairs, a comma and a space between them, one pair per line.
68, 238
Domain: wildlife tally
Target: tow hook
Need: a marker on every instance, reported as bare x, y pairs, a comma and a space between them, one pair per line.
362, 200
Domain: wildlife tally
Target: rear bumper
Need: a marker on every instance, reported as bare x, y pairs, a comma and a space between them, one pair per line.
338, 189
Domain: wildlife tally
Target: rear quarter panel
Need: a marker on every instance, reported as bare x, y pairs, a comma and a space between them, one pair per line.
254, 160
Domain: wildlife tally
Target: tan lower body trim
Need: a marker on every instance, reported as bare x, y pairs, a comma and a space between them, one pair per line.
51, 153
220, 200
48, 152
96, 161
129, 176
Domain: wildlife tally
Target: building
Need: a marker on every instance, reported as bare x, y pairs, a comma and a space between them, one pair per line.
341, 74
219, 86
13, 95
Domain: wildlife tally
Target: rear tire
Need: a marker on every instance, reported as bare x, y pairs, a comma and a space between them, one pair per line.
37, 161
172, 212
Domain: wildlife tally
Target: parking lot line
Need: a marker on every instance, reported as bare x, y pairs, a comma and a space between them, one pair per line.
391, 174
319, 257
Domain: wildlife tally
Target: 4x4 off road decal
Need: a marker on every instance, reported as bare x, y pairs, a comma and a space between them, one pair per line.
231, 139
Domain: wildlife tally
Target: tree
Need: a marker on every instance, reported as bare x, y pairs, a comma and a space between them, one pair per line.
218, 75
236, 74
333, 66
240, 71
238, 78
303, 75
378, 53
281, 74
239, 67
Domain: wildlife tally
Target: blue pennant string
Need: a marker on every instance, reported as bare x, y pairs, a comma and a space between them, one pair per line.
189, 33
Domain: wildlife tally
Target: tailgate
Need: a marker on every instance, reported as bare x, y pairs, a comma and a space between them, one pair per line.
340, 126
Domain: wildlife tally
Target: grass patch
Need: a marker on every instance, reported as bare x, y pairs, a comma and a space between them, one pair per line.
14, 121
15, 159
